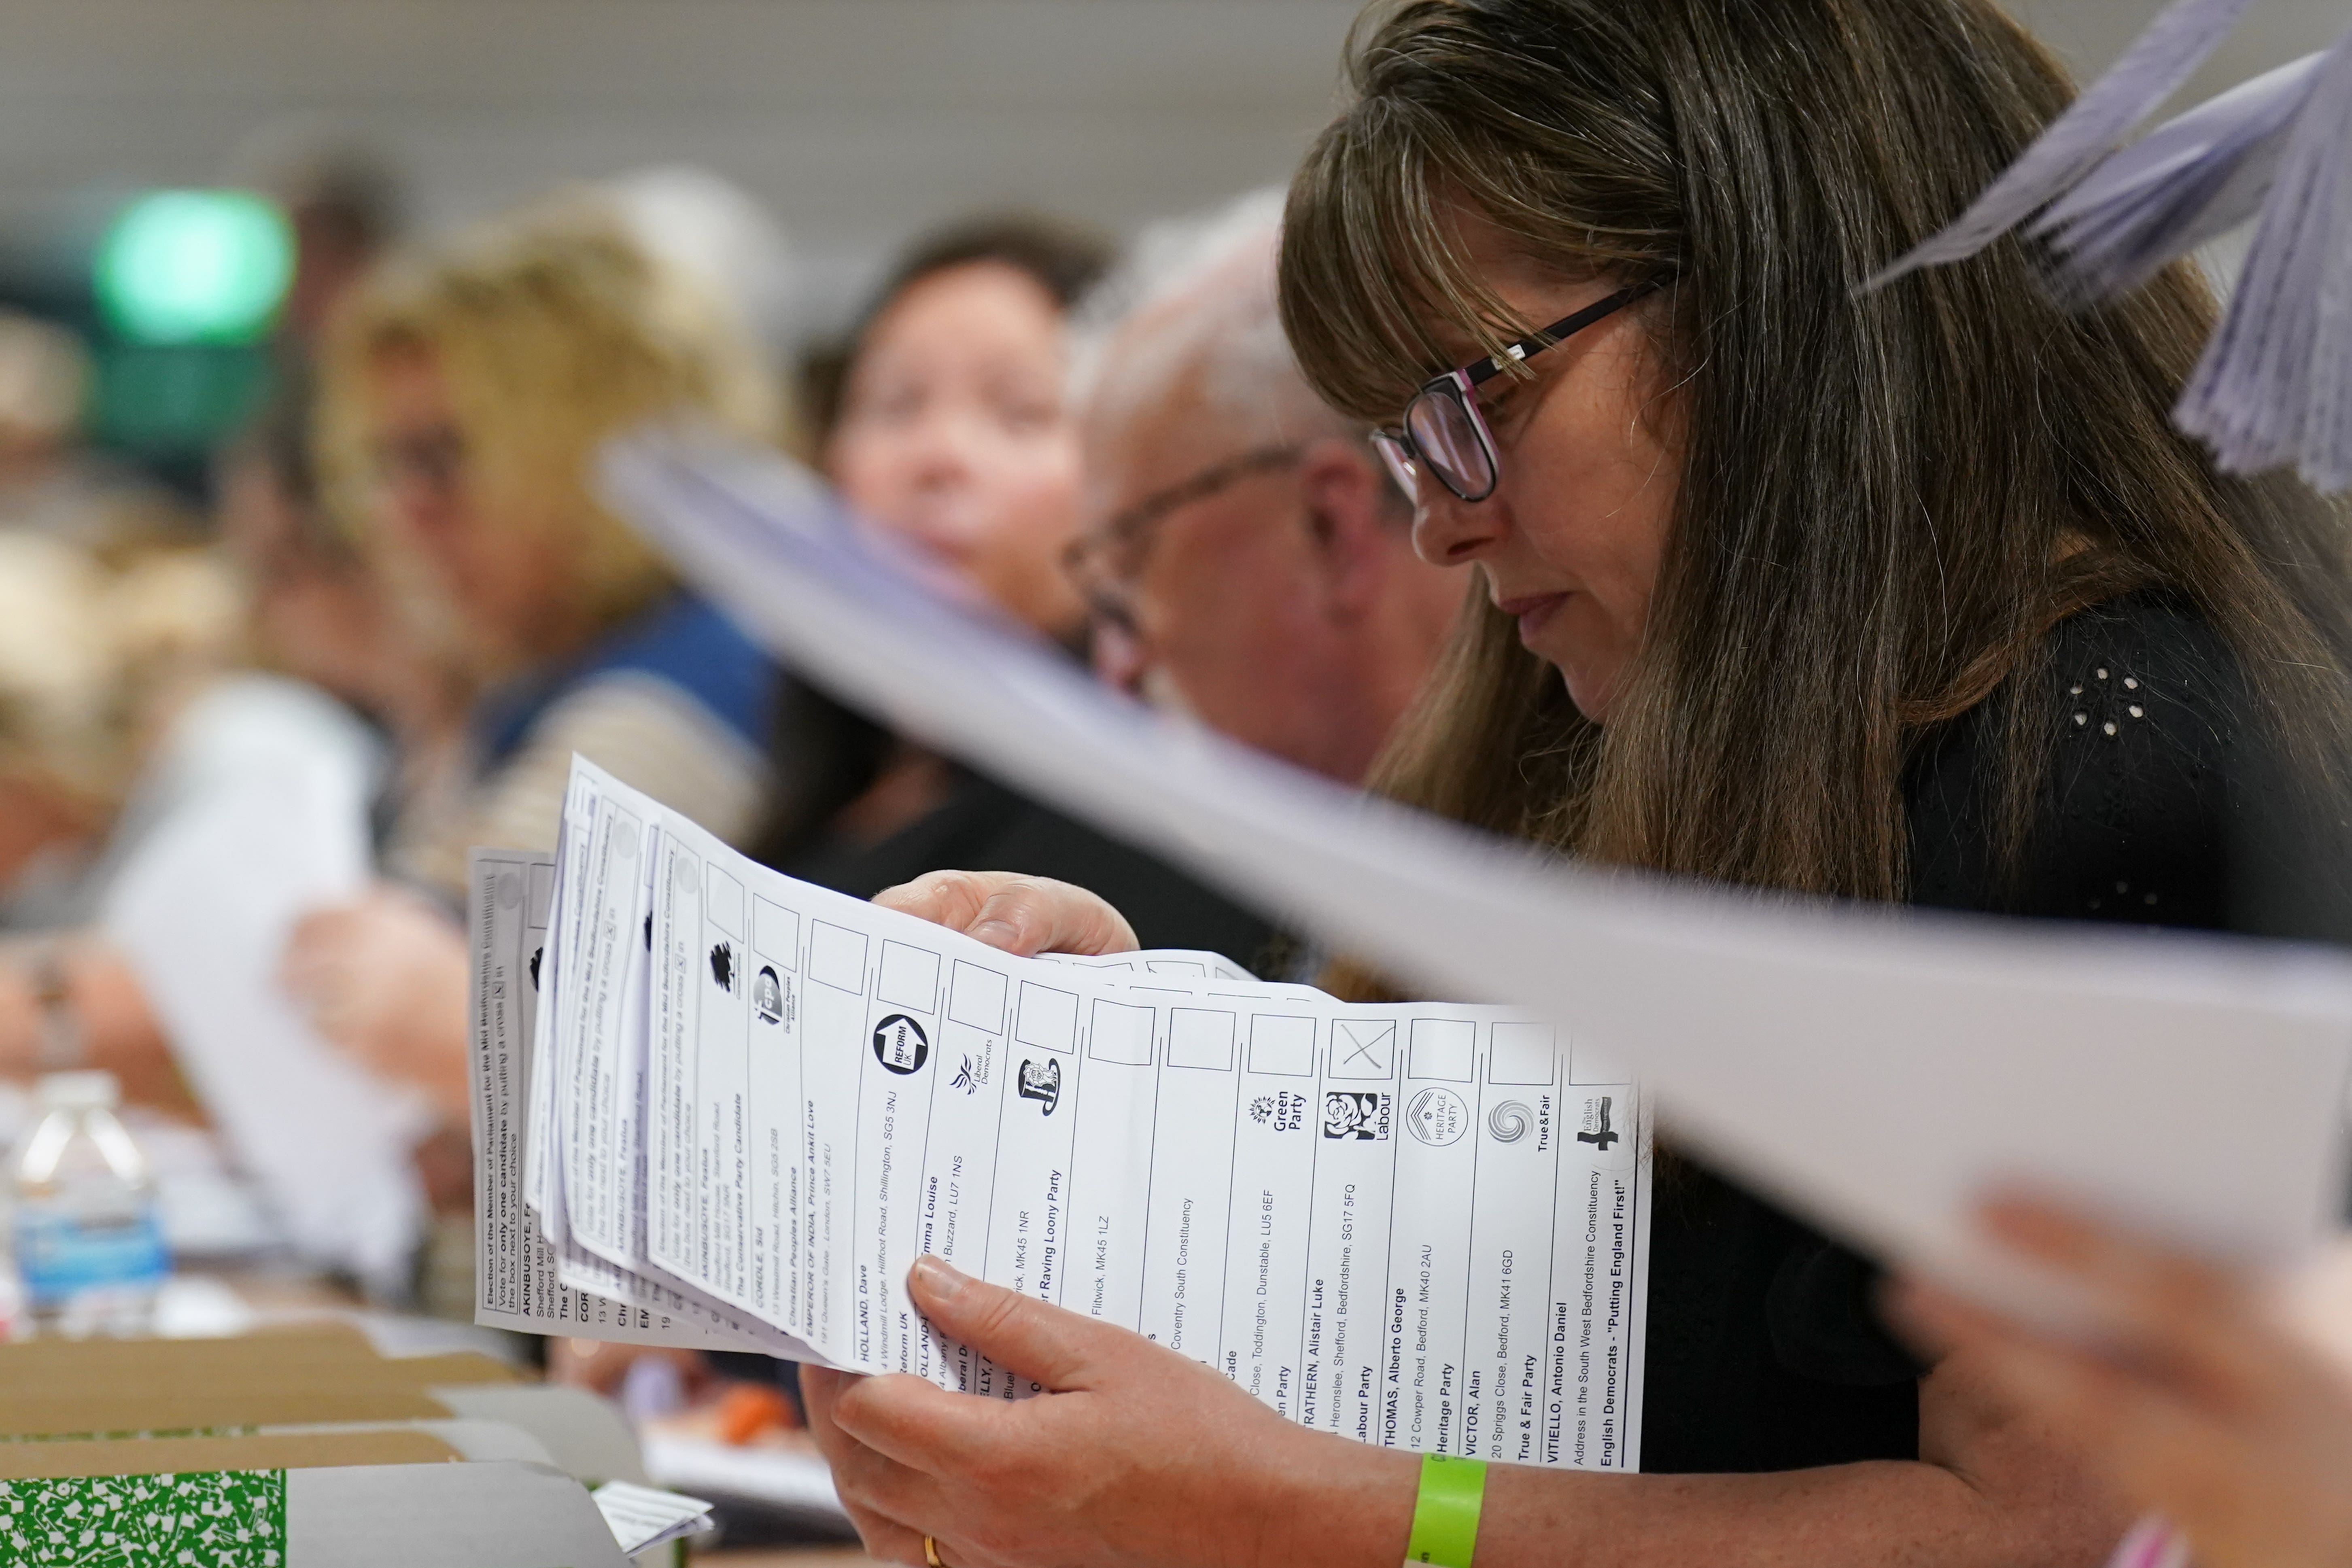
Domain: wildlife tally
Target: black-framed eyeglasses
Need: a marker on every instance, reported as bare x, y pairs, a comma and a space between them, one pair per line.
1103, 562
1442, 429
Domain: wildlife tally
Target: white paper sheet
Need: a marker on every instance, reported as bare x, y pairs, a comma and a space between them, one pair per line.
645, 1517
519, 1277
202, 913
2150, 69
1878, 1068
1420, 1226
2274, 386
2187, 182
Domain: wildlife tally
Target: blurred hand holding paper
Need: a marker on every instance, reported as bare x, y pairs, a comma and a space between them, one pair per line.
202, 911
1878, 1068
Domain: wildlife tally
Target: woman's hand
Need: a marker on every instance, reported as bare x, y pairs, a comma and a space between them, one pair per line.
1026, 915
2200, 1405
384, 979
1134, 1457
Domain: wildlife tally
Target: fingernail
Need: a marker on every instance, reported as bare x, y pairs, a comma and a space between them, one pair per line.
935, 1278
996, 933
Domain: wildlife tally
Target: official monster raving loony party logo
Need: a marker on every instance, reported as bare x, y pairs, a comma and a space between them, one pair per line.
1042, 1081
899, 1044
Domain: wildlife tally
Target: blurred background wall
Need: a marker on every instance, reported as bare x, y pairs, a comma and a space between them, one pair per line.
854, 122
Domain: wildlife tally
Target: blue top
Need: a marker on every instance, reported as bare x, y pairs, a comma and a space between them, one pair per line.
682, 639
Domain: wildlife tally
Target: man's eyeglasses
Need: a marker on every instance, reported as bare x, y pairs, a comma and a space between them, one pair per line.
1443, 431
1105, 561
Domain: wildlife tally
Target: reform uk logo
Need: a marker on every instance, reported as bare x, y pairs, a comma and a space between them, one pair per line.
899, 1044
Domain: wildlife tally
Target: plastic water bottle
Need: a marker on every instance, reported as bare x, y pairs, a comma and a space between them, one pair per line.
90, 1247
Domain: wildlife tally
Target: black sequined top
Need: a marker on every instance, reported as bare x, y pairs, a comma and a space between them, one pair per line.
2161, 803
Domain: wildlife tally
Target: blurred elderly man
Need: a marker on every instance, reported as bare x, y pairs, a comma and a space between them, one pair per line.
1248, 559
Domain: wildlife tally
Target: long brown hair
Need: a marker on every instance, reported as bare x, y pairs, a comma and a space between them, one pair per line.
1887, 499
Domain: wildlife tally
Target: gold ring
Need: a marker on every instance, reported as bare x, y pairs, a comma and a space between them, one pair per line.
931, 1553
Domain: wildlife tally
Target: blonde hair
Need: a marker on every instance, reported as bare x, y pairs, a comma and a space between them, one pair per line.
44, 378
98, 651
553, 330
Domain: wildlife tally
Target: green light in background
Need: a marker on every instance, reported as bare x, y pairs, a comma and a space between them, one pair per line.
194, 266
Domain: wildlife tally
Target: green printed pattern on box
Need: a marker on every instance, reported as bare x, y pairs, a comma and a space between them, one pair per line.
212, 1518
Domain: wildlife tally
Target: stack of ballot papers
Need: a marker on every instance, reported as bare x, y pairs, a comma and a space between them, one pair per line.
719, 1107
2275, 387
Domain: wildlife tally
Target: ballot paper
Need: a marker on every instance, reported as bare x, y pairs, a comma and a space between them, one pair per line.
645, 1517
517, 1272
2273, 388
1423, 1225
202, 913
2155, 66
2185, 183
1879, 1069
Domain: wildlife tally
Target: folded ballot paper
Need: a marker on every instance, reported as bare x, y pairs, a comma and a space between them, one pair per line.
2274, 386
1878, 1068
748, 1104
642, 1517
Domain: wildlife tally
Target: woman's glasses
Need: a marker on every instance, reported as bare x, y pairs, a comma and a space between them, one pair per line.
1444, 432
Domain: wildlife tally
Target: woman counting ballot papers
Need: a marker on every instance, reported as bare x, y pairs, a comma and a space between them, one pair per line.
1913, 596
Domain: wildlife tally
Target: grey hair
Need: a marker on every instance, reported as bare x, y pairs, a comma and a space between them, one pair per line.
1196, 298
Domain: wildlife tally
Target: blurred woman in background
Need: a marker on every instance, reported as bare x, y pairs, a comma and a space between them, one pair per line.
465, 390
326, 610
945, 423
465, 393
117, 711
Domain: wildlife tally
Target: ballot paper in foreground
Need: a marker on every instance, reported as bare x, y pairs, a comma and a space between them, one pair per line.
1422, 1225
1878, 1069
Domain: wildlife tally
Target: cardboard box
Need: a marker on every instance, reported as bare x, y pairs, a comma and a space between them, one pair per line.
501, 1514
123, 1388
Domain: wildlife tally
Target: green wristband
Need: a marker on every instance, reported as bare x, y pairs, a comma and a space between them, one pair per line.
1445, 1515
